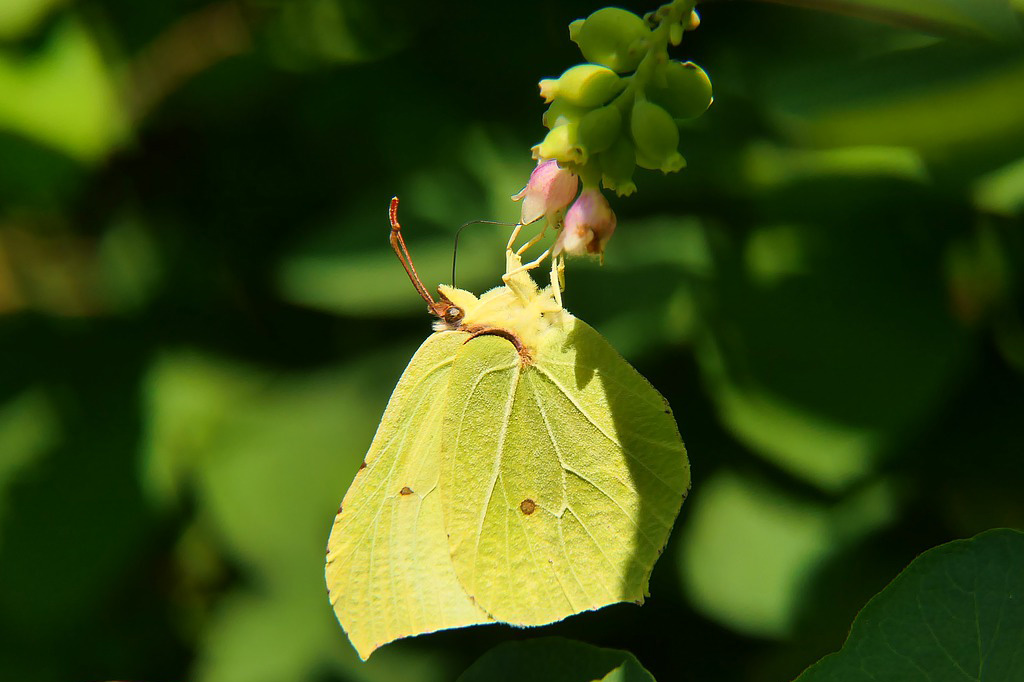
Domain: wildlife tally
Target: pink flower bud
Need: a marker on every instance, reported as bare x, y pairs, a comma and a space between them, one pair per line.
548, 193
589, 225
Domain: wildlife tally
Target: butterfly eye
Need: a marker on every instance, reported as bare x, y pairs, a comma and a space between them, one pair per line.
453, 315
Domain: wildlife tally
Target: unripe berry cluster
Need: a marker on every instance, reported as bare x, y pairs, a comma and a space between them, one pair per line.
618, 111
622, 109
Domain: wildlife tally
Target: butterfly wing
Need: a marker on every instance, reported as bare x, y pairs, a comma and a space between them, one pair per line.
389, 573
562, 477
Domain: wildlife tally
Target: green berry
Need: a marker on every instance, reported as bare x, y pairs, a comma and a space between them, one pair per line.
561, 112
584, 85
682, 88
644, 161
617, 165
561, 143
599, 128
613, 37
656, 137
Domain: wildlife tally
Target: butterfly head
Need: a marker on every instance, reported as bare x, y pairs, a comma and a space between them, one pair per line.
449, 313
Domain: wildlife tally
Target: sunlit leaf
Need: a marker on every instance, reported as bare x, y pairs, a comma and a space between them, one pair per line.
19, 16
935, 100
1002, 190
69, 75
770, 165
262, 453
749, 549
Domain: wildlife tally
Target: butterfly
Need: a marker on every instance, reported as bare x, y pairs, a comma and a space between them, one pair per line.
522, 472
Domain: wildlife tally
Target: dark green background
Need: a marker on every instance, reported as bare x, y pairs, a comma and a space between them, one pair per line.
201, 321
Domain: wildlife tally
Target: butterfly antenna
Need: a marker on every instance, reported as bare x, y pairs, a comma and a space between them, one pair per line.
455, 250
398, 245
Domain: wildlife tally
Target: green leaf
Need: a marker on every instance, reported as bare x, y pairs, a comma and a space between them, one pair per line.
782, 303
554, 659
68, 75
892, 100
954, 614
20, 16
749, 549
1002, 191
991, 19
260, 453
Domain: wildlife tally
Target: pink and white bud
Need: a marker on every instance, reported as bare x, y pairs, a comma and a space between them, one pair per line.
548, 193
589, 225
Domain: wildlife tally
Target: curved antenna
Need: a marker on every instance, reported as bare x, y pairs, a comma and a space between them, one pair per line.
455, 250
398, 245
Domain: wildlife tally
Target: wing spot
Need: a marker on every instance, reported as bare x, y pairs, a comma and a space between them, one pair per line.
340, 507
363, 465
527, 506
405, 491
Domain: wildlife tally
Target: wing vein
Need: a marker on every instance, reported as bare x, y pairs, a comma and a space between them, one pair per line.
611, 439
498, 453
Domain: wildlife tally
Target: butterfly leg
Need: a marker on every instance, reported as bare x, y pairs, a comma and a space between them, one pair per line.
529, 266
514, 236
557, 279
516, 267
525, 247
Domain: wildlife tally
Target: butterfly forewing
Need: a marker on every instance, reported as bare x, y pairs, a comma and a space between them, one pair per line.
389, 573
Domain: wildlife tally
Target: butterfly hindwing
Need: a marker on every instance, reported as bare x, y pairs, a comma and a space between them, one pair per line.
562, 475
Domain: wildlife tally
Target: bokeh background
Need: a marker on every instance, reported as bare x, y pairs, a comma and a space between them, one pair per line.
201, 320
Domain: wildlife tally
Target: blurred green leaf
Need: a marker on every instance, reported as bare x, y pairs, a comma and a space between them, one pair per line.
749, 549
37, 92
237, 433
769, 165
554, 659
795, 373
200, 314
128, 264
978, 273
937, 100
331, 273
953, 614
1002, 191
991, 19
28, 429
269, 458
305, 33
646, 298
282, 632
373, 282
19, 16
34, 175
